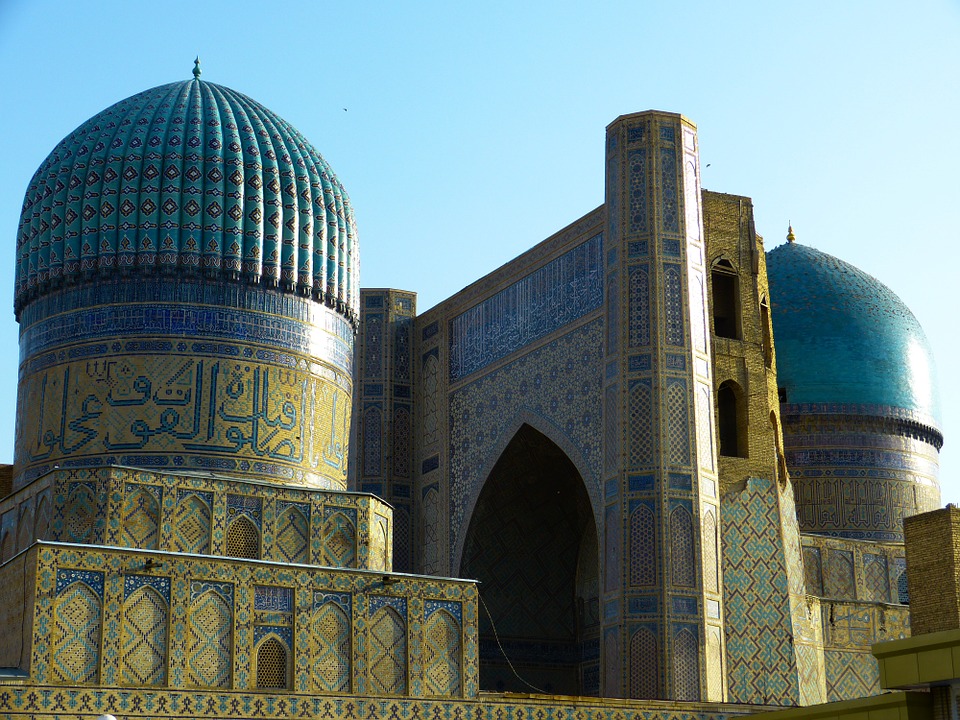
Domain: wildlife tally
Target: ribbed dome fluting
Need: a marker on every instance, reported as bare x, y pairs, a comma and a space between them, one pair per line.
192, 178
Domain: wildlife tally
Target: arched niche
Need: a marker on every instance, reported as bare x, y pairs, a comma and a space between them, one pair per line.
532, 543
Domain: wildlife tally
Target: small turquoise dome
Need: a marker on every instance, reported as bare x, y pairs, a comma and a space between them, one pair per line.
843, 337
189, 178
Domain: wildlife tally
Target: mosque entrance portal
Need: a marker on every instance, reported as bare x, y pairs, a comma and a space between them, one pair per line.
532, 544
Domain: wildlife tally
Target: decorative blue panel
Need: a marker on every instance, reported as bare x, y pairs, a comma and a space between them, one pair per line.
401, 350
673, 304
643, 546
678, 424
682, 556
199, 587
638, 363
277, 599
669, 220
638, 292
247, 505
373, 345
451, 606
93, 579
641, 423
613, 194
680, 481
636, 248
611, 425
676, 362
641, 483
402, 441
635, 133
643, 605
158, 307
613, 313
558, 293
671, 247
341, 599
284, 633
378, 601
372, 441
132, 583
686, 663
637, 190
900, 573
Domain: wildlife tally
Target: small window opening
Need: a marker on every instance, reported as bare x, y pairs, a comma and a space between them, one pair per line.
732, 421
243, 540
272, 665
782, 394
726, 300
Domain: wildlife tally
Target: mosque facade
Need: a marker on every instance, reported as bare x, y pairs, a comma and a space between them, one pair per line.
646, 463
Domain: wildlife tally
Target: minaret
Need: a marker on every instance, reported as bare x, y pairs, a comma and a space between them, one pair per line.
663, 595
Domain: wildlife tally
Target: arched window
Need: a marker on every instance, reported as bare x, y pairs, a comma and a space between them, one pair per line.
726, 300
243, 540
271, 665
732, 420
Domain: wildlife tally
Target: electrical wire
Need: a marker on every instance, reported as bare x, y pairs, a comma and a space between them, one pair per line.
503, 652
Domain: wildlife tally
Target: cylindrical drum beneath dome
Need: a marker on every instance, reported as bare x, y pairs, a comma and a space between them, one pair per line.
162, 373
186, 289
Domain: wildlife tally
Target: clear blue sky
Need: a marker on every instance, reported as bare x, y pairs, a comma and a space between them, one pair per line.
474, 130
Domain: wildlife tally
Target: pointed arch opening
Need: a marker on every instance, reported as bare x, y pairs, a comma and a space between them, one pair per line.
726, 300
732, 420
532, 543
243, 539
272, 665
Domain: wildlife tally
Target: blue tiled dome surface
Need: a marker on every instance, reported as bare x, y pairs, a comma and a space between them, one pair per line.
189, 177
843, 338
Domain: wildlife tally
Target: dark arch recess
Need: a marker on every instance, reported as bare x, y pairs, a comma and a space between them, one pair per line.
532, 543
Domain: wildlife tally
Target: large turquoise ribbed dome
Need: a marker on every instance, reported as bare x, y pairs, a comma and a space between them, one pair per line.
843, 337
190, 178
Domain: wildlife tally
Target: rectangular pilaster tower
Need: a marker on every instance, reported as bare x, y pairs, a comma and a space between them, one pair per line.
663, 609
382, 447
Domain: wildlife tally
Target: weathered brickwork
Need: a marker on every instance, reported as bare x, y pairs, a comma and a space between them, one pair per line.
933, 561
760, 533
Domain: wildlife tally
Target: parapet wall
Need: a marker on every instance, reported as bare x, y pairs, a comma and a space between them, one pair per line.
199, 514
106, 617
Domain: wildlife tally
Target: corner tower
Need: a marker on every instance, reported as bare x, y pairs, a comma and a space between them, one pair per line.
187, 289
663, 632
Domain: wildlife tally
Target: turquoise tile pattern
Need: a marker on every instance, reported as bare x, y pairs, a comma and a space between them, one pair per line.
189, 177
842, 336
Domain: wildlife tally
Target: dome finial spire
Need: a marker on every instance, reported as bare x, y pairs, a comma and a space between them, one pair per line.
790, 236
196, 68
